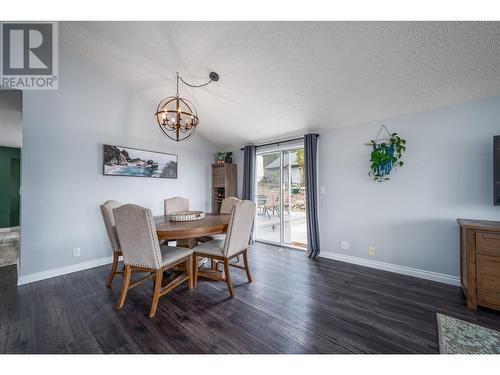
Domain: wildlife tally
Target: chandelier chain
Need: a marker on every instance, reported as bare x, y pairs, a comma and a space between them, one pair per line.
189, 84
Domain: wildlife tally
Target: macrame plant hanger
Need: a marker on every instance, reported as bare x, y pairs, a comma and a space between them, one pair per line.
379, 140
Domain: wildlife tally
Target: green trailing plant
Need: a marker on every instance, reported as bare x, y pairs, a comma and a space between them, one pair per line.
386, 156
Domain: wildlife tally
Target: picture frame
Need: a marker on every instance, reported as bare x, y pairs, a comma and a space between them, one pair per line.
134, 162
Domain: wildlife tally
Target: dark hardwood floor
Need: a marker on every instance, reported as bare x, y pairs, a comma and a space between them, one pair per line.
294, 305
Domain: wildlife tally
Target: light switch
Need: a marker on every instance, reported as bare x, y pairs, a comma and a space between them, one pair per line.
322, 190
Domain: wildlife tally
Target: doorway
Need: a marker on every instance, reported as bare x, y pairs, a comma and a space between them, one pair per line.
280, 197
10, 179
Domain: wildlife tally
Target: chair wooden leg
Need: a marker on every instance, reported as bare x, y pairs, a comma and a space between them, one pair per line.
247, 270
195, 270
190, 269
114, 266
228, 277
126, 283
156, 292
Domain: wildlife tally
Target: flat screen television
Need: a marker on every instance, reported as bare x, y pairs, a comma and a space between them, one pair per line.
496, 169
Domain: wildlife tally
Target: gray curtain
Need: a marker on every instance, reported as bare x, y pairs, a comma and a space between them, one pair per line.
249, 179
248, 173
310, 174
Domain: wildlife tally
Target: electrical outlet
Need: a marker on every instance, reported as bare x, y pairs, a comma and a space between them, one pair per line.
76, 252
344, 245
371, 251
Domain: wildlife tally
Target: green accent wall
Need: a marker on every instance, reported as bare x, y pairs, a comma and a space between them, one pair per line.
10, 182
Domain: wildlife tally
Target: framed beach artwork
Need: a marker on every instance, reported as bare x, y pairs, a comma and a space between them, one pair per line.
126, 161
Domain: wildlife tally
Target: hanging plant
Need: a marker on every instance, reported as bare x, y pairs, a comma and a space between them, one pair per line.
386, 155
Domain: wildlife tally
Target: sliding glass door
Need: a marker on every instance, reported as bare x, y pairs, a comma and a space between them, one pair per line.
280, 197
268, 180
294, 202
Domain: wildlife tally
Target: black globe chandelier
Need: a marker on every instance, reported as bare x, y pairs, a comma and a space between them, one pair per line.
176, 116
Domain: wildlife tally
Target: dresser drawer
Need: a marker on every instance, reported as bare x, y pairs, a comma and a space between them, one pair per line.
488, 244
488, 280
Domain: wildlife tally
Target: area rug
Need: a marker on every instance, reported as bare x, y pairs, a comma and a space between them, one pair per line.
460, 337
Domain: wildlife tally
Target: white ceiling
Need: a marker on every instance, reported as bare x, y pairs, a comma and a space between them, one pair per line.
279, 79
10, 118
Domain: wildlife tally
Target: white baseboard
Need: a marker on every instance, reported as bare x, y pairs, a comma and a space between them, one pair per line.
37, 276
11, 229
415, 272
423, 274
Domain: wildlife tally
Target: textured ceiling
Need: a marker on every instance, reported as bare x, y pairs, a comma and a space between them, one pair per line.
282, 78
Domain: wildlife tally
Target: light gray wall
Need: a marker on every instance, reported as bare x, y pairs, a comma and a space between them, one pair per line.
238, 157
63, 185
10, 118
411, 220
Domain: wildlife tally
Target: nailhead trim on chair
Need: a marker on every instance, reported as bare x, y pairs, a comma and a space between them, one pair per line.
229, 230
154, 239
162, 265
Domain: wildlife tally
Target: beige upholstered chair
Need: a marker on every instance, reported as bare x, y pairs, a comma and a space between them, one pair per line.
235, 243
225, 208
141, 252
227, 205
109, 223
176, 204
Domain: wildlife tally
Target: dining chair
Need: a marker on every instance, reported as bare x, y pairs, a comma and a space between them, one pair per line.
225, 208
109, 223
227, 204
176, 204
142, 253
234, 244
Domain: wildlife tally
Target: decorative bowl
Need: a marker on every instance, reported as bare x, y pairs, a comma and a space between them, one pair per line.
187, 216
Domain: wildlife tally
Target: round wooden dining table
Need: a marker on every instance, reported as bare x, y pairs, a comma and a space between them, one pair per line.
186, 232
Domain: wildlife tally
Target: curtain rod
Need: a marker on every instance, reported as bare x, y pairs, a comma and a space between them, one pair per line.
278, 142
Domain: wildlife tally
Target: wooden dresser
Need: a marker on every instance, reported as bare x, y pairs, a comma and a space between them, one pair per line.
480, 262
223, 184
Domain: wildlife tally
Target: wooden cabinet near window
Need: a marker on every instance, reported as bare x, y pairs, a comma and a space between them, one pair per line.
223, 184
480, 262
